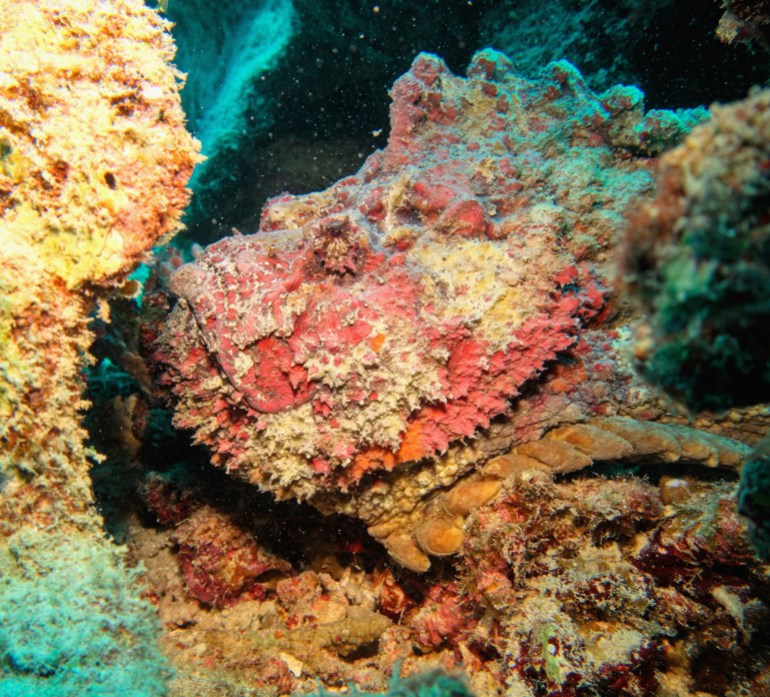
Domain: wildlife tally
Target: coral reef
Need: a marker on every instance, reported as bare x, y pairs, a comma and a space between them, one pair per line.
598, 586
429, 352
302, 355
94, 158
274, 628
73, 623
434, 684
583, 584
218, 562
366, 328
698, 257
754, 497
90, 181
746, 22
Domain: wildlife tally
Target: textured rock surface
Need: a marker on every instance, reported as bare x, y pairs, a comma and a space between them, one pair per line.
746, 22
601, 585
614, 585
94, 158
91, 177
698, 257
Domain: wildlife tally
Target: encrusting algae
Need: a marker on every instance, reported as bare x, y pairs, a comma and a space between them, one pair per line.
94, 158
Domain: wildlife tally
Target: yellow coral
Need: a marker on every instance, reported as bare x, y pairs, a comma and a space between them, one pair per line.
94, 151
94, 159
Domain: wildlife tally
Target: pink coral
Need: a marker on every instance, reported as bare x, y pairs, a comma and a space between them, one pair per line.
220, 563
446, 617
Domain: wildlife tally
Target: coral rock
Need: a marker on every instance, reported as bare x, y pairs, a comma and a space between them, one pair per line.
94, 159
746, 22
220, 563
594, 587
697, 257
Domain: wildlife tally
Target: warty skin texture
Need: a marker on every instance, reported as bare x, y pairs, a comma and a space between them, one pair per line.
345, 352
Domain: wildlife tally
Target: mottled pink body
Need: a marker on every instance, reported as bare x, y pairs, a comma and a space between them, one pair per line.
402, 309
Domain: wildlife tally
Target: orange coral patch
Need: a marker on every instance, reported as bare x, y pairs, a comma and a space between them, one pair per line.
370, 460
411, 447
567, 378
